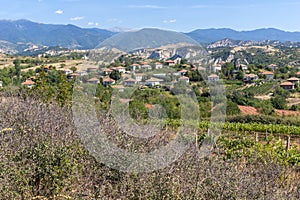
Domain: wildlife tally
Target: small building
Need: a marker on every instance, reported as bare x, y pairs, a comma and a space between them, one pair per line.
287, 85
184, 79
250, 77
29, 83
68, 71
298, 74
294, 80
269, 75
108, 81
120, 88
201, 68
1, 84
158, 65
170, 63
146, 67
213, 78
119, 69
244, 67
217, 68
93, 81
153, 82
106, 71
139, 77
176, 58
135, 66
82, 73
183, 72
72, 76
130, 82
273, 67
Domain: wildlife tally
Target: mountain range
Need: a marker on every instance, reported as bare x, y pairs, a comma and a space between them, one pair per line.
24, 35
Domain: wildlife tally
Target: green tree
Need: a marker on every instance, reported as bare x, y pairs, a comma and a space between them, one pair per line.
116, 75
232, 108
74, 69
240, 75
17, 66
279, 102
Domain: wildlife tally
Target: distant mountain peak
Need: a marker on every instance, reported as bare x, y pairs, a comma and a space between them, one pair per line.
69, 35
23, 31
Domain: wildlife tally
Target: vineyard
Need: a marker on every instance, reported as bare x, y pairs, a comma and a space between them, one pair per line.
243, 127
261, 89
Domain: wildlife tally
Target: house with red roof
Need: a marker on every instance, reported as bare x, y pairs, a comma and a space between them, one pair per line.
130, 82
287, 85
29, 83
93, 81
269, 75
184, 79
294, 80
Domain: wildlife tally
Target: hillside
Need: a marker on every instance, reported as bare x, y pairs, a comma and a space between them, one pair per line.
212, 35
70, 36
134, 40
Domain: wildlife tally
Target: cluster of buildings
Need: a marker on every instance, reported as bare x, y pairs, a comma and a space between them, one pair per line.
138, 74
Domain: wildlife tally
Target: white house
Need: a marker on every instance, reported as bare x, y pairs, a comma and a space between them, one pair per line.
139, 77
146, 67
82, 73
68, 71
158, 65
135, 66
217, 68
119, 69
250, 77
153, 82
184, 79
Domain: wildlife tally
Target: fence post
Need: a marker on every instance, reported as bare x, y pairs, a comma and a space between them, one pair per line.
256, 136
288, 143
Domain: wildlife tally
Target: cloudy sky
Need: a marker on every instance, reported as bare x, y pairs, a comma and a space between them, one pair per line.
179, 15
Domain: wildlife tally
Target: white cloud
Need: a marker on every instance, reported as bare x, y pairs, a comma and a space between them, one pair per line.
76, 18
93, 24
170, 21
147, 6
59, 12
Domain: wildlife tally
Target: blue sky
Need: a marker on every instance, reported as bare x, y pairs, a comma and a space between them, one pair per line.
179, 15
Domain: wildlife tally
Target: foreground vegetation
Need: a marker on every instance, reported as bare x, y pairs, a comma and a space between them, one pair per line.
42, 157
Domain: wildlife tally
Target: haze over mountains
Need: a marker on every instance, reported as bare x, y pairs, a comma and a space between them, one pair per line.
22, 35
